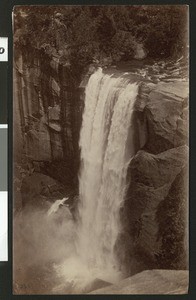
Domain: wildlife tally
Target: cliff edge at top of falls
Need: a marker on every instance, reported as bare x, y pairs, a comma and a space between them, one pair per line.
150, 282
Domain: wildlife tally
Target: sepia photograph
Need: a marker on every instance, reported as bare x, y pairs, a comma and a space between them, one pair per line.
100, 149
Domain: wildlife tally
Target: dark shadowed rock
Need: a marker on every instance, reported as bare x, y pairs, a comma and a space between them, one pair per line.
38, 188
46, 113
38, 145
172, 216
54, 113
151, 177
150, 282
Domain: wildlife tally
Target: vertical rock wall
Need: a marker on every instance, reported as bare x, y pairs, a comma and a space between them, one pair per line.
46, 120
46, 105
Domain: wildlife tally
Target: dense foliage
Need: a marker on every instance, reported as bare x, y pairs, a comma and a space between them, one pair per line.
86, 34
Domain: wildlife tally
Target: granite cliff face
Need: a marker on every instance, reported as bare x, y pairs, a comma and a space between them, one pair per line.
48, 107
47, 119
47, 112
156, 206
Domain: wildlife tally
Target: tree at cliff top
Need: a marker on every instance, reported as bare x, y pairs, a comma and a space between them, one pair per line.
83, 34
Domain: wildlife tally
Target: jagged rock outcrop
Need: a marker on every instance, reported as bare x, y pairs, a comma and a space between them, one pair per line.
150, 282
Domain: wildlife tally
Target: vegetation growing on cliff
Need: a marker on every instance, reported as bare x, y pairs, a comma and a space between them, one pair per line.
85, 34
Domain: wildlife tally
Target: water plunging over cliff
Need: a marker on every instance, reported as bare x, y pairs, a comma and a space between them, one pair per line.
106, 150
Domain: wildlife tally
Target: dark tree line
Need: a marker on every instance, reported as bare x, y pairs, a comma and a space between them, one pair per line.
83, 34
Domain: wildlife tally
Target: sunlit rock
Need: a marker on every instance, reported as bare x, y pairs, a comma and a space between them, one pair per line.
150, 282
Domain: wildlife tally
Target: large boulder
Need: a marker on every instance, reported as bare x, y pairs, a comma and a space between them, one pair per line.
166, 114
151, 178
149, 282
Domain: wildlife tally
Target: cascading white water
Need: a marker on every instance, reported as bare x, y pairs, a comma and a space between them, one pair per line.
105, 141
107, 146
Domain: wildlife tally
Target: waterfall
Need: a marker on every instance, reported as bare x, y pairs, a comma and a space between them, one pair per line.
106, 143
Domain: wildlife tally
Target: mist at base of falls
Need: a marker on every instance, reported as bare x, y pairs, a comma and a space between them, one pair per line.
46, 258
84, 251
